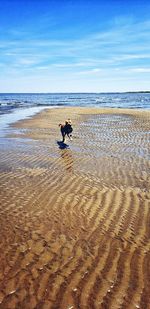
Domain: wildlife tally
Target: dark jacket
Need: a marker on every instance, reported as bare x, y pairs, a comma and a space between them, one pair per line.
68, 128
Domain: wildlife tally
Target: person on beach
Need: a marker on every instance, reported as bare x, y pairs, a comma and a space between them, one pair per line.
66, 129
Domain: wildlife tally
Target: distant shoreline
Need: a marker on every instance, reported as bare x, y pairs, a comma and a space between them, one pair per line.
109, 92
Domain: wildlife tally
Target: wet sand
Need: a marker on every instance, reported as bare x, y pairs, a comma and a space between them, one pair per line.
75, 220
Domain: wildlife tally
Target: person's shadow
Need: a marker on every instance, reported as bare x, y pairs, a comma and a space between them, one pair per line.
62, 145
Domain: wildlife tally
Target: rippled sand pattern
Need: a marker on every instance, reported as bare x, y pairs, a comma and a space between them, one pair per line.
75, 221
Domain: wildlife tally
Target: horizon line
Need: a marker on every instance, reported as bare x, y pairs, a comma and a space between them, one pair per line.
80, 92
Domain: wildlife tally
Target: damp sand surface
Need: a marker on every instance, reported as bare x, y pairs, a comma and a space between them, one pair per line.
75, 218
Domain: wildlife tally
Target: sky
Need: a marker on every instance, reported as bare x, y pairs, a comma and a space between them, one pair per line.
74, 46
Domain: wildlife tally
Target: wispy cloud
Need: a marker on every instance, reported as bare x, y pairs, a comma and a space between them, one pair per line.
139, 70
119, 50
118, 44
92, 71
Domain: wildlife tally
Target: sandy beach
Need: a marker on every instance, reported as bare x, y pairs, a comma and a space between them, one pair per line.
75, 219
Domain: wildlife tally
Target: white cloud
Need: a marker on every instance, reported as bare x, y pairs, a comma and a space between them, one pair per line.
140, 70
119, 51
92, 71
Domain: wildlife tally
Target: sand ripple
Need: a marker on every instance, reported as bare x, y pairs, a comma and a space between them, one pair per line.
75, 222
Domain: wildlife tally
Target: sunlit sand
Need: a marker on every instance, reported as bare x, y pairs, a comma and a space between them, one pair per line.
75, 220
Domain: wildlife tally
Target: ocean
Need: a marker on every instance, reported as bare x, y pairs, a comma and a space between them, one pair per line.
14, 107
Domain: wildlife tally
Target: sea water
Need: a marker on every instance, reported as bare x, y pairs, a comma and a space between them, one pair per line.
14, 107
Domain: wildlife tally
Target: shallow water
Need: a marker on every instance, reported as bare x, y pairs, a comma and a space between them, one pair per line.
18, 114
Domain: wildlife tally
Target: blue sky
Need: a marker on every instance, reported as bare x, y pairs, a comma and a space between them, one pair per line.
74, 46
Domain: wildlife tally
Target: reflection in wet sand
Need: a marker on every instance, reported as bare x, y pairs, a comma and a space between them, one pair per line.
67, 159
75, 220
